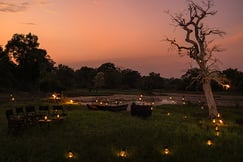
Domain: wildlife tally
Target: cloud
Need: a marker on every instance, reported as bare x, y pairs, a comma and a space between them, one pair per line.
44, 2
29, 23
13, 6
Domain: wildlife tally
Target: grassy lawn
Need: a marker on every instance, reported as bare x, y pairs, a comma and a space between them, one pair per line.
94, 136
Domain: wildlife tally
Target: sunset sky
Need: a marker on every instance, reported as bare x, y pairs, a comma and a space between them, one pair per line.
127, 33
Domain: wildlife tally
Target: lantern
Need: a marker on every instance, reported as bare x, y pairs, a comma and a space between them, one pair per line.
217, 133
45, 117
70, 154
209, 142
54, 96
221, 122
218, 115
216, 128
226, 86
165, 150
58, 116
122, 153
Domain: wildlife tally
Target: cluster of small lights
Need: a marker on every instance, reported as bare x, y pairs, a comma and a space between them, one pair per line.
218, 121
183, 100
12, 97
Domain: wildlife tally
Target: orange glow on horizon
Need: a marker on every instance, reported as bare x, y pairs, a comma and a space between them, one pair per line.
128, 33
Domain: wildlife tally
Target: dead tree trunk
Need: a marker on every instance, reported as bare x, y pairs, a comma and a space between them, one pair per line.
212, 108
198, 48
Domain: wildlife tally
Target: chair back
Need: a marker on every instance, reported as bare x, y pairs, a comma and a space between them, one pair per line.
30, 109
9, 114
19, 110
43, 110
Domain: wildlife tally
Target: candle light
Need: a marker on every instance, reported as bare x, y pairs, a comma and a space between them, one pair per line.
209, 142
166, 150
122, 153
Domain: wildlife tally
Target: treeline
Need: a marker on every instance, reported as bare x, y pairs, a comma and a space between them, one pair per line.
26, 67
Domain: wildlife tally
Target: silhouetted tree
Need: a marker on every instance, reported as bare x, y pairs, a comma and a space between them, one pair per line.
6, 71
173, 84
65, 76
190, 80
131, 78
32, 62
153, 81
99, 80
112, 75
85, 77
198, 46
236, 79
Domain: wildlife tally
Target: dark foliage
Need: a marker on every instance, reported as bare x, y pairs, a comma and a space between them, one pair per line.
24, 66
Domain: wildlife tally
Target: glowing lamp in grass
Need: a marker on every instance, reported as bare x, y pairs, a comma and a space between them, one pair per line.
69, 155
217, 133
54, 96
71, 101
221, 122
209, 142
58, 116
166, 150
45, 117
216, 128
218, 115
122, 153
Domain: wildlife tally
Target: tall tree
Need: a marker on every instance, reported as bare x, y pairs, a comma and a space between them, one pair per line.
112, 75
236, 79
85, 77
6, 71
130, 78
99, 80
189, 80
65, 75
31, 61
199, 47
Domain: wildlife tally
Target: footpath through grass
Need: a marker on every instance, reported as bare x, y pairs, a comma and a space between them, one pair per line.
94, 136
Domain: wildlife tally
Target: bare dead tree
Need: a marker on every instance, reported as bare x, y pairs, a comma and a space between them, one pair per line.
198, 46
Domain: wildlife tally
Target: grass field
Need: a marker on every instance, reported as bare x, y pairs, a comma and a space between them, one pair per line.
94, 136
